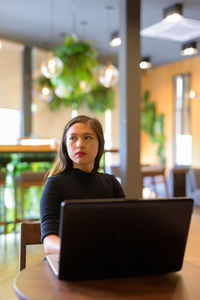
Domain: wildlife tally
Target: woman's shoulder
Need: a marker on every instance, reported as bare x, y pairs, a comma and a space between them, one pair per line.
107, 176
57, 178
112, 180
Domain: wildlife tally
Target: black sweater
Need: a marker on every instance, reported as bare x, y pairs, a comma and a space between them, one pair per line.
73, 184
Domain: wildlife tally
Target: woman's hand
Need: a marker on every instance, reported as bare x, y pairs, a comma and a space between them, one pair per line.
52, 244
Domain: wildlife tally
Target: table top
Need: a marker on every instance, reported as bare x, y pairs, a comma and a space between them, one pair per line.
36, 148
27, 148
38, 282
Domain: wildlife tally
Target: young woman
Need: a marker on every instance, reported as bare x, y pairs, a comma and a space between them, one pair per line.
75, 175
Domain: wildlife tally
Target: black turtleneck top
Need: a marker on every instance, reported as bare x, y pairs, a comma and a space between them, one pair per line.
73, 184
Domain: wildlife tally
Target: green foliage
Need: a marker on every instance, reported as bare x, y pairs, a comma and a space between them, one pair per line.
152, 124
31, 194
80, 64
100, 99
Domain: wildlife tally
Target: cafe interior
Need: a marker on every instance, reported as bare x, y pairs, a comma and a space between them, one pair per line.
136, 70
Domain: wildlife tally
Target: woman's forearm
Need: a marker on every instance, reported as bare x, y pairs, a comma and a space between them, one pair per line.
51, 244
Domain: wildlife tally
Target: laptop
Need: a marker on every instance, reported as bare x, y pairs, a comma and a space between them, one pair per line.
109, 238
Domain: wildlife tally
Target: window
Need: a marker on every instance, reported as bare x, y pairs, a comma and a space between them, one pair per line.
9, 126
182, 136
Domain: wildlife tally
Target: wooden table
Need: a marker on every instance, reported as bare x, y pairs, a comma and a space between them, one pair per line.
28, 148
28, 153
38, 282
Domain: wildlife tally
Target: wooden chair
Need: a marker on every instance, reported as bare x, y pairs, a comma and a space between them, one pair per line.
193, 185
30, 234
3, 221
153, 172
24, 180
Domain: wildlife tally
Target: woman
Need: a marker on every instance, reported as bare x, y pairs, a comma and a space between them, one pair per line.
75, 175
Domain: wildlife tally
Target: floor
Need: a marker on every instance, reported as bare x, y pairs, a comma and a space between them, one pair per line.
9, 247
9, 252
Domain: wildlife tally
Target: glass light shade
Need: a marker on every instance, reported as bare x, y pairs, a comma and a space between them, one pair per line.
62, 91
46, 93
52, 67
85, 86
108, 75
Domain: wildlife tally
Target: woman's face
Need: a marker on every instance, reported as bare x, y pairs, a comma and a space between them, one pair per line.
82, 146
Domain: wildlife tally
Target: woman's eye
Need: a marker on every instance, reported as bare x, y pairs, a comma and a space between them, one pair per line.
72, 138
88, 137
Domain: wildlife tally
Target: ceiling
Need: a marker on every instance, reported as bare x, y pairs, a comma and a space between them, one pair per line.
45, 23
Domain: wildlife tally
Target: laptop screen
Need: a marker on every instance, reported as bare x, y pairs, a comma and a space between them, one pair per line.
108, 238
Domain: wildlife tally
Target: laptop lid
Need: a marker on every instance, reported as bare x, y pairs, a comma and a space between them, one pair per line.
107, 238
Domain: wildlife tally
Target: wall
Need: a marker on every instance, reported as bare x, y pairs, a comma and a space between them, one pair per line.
159, 82
10, 75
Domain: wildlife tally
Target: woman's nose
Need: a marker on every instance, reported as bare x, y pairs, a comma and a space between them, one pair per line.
80, 143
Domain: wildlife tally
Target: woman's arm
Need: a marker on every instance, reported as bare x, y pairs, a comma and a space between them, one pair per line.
119, 192
51, 244
50, 208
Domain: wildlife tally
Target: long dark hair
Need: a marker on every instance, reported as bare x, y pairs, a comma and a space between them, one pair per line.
63, 161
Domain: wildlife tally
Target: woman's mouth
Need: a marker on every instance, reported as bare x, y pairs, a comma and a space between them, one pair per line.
80, 154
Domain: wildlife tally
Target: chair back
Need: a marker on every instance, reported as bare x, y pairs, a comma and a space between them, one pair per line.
193, 179
197, 177
30, 234
2, 177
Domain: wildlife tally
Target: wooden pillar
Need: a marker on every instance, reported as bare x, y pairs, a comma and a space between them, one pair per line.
129, 59
26, 92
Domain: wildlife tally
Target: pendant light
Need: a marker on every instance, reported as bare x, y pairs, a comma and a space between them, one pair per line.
52, 66
62, 91
108, 75
173, 13
46, 93
189, 49
115, 39
145, 63
85, 86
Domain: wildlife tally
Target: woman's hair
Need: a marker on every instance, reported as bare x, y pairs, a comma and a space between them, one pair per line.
63, 161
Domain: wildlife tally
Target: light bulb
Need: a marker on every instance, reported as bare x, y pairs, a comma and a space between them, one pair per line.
52, 67
85, 86
144, 65
62, 91
115, 42
175, 17
189, 51
46, 93
108, 75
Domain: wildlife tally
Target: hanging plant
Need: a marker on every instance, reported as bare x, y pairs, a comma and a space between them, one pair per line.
152, 124
78, 82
